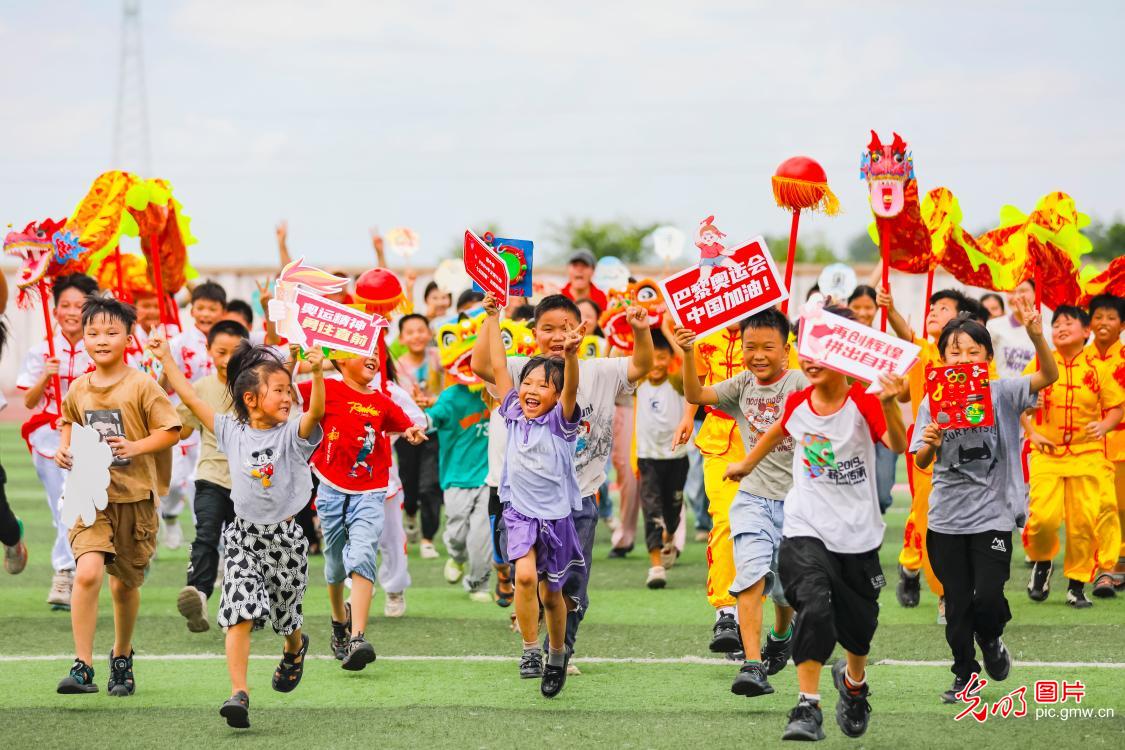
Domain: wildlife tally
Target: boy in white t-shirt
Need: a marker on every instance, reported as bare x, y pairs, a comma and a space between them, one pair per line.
1013, 347
829, 556
662, 466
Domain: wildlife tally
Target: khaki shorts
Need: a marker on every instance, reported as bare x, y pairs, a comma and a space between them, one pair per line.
126, 534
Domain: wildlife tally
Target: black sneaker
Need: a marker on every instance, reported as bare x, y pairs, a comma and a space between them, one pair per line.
852, 710
80, 679
1040, 584
531, 664
554, 678
341, 634
909, 587
959, 684
121, 682
1076, 596
618, 553
806, 722
236, 711
751, 681
726, 638
776, 653
358, 654
997, 660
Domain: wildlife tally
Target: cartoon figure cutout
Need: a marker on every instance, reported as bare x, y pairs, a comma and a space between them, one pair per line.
712, 252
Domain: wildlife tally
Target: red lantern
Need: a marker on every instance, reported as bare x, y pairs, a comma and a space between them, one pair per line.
800, 184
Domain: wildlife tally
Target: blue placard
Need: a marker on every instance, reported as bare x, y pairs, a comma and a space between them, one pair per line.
522, 251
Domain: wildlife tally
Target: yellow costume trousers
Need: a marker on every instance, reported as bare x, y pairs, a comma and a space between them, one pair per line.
913, 555
720, 444
1075, 489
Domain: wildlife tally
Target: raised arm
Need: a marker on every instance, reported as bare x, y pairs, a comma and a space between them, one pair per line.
1048, 371
178, 383
264, 296
899, 325
641, 361
895, 436
569, 396
769, 440
315, 411
481, 360
694, 391
283, 243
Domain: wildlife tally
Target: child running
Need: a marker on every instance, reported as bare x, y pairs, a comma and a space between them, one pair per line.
122, 538
756, 398
352, 465
266, 570
539, 490
976, 471
213, 506
662, 464
828, 560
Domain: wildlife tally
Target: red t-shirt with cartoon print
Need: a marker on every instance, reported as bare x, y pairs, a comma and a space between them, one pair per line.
355, 455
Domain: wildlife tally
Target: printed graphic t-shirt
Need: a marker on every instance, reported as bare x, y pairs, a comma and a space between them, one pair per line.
978, 473
134, 407
756, 407
833, 497
355, 454
269, 469
600, 382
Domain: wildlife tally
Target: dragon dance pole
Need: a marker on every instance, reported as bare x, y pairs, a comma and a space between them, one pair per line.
885, 252
790, 258
120, 275
929, 293
158, 279
50, 341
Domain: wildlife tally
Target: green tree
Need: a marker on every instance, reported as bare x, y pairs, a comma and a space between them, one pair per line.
816, 250
1108, 240
862, 250
625, 240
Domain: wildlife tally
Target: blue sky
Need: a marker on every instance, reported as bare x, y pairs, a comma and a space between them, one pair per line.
341, 115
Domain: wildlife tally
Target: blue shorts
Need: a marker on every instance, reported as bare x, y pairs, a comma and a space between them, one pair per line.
352, 525
755, 542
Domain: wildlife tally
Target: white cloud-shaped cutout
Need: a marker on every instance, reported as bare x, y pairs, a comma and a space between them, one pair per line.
85, 488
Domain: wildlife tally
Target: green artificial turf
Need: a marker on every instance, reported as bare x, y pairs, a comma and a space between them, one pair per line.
406, 701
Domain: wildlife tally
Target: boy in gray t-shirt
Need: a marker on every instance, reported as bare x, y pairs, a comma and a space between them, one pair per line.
977, 487
756, 398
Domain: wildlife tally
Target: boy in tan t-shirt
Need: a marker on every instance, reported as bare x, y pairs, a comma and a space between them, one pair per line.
137, 420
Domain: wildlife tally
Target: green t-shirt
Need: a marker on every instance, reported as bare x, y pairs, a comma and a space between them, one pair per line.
461, 419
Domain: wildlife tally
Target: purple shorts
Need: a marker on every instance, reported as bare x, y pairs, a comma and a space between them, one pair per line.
557, 550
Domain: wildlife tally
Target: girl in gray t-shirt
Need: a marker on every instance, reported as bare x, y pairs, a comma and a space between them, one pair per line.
977, 477
266, 552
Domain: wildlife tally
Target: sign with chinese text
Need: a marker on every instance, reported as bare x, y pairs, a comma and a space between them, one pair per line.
852, 348
725, 289
486, 268
322, 323
960, 396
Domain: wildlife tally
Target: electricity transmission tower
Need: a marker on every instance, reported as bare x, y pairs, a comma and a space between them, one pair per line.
131, 149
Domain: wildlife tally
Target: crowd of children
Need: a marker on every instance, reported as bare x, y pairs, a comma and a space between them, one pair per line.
278, 453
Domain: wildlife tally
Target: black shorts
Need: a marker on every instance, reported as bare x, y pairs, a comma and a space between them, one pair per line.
835, 594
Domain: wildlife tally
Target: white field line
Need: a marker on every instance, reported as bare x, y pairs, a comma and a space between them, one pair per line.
691, 660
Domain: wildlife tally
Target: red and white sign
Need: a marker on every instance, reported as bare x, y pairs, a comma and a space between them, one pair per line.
486, 267
331, 325
852, 348
729, 288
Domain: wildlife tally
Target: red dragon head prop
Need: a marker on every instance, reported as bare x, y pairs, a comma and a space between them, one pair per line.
645, 293
46, 250
887, 169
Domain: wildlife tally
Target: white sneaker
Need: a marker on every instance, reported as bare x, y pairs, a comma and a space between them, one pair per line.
412, 529
395, 605
453, 570
572, 670
702, 536
173, 533
657, 579
428, 551
192, 604
61, 584
483, 597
